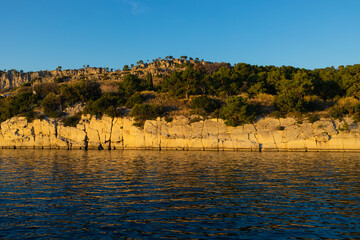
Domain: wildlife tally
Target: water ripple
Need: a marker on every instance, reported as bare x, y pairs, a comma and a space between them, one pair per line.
178, 195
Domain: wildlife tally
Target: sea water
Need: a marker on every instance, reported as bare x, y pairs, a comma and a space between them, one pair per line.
59, 194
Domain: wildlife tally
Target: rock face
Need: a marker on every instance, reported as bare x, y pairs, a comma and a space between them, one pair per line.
267, 134
16, 79
12, 79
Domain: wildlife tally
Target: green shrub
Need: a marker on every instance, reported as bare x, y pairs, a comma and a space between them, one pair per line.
168, 119
203, 105
81, 91
356, 116
313, 118
30, 115
142, 112
60, 79
51, 105
337, 112
289, 102
280, 128
130, 84
345, 127
43, 89
136, 98
277, 114
71, 121
6, 109
25, 102
194, 120
26, 85
106, 104
236, 112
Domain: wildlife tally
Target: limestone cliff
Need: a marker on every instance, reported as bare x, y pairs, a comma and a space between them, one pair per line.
159, 68
119, 133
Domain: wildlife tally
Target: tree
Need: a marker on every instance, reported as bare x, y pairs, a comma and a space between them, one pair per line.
290, 101
183, 84
51, 105
130, 84
136, 98
203, 105
142, 112
227, 81
126, 68
236, 112
149, 81
106, 104
183, 57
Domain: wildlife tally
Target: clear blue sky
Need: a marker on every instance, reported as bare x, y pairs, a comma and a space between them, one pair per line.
43, 34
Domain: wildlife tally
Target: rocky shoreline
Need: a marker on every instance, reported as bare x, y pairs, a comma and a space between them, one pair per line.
267, 134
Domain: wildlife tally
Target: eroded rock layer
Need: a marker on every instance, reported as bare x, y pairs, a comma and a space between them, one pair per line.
267, 134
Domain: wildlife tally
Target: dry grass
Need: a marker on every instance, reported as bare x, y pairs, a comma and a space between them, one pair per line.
263, 99
172, 105
109, 87
348, 101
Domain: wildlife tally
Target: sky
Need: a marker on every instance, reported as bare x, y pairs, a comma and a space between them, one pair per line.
44, 34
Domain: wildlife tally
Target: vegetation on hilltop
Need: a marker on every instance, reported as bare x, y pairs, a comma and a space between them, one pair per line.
236, 93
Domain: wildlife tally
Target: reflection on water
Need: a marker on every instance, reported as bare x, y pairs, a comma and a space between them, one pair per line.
169, 194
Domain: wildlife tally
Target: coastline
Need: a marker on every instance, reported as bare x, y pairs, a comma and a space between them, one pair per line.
267, 134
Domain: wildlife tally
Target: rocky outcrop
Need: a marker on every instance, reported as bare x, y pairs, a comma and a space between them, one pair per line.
14, 78
267, 134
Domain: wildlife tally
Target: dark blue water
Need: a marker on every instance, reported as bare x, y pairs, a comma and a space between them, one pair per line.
178, 195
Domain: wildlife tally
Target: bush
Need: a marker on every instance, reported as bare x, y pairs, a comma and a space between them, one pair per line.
26, 85
30, 115
345, 106
43, 89
204, 105
130, 84
313, 118
25, 102
169, 119
277, 114
136, 98
237, 112
106, 104
6, 109
60, 79
142, 112
280, 128
71, 121
290, 102
82, 91
345, 127
51, 105
356, 116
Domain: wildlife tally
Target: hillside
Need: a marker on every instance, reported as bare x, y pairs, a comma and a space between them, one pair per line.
170, 87
158, 68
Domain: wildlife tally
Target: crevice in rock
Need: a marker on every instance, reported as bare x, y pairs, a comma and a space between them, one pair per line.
276, 146
111, 129
86, 140
33, 133
334, 125
202, 135
159, 133
99, 139
56, 126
